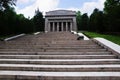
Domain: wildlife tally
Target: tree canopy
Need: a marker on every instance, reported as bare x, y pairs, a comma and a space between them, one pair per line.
78, 18
106, 21
38, 21
84, 22
13, 23
5, 4
112, 12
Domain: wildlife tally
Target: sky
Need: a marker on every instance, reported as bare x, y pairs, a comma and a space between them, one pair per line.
28, 7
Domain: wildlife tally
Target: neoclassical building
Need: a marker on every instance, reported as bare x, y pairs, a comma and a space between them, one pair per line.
60, 20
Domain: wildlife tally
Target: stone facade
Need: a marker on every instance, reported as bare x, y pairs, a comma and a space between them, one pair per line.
60, 20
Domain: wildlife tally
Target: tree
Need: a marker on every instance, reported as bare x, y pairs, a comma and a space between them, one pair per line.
5, 4
97, 21
7, 16
92, 22
7, 21
78, 18
38, 21
84, 21
112, 6
112, 12
12, 23
100, 22
24, 25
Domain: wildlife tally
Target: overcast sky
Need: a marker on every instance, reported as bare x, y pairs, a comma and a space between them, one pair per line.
28, 7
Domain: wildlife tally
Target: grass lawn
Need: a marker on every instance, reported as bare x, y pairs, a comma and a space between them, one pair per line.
113, 38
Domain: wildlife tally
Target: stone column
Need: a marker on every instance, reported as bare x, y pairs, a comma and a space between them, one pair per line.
62, 26
66, 26
71, 26
57, 26
74, 24
53, 27
48, 26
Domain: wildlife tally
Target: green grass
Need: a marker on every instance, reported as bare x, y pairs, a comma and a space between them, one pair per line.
113, 38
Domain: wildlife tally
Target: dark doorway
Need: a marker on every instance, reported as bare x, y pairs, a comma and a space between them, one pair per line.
60, 26
55, 26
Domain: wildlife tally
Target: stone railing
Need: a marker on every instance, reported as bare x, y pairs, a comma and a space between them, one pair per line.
36, 33
13, 37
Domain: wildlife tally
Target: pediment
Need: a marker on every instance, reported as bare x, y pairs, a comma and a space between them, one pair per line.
60, 12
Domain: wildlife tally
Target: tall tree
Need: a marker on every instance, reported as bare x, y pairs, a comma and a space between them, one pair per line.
38, 21
7, 21
78, 19
4, 4
7, 16
84, 21
12, 23
112, 12
92, 22
100, 22
97, 21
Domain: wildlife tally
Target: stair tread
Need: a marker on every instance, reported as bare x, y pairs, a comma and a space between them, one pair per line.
59, 60
57, 55
102, 52
61, 66
60, 74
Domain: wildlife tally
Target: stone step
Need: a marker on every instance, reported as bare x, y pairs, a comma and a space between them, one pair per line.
71, 43
60, 68
60, 39
30, 75
60, 61
54, 53
71, 47
68, 45
46, 45
57, 56
51, 47
72, 50
50, 40
20, 50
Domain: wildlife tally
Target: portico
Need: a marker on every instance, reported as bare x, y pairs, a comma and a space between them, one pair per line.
60, 20
60, 26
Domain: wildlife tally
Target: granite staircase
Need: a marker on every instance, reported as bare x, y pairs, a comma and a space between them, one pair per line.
56, 56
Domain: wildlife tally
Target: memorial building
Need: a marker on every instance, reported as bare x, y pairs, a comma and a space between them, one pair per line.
60, 20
